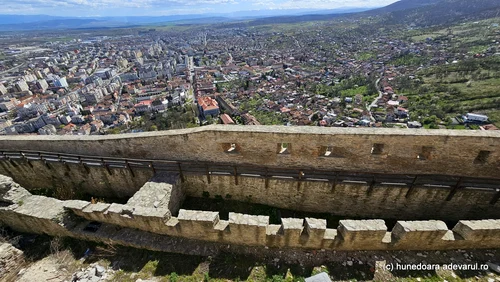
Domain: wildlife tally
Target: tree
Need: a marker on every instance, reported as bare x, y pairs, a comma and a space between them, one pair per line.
430, 120
219, 87
210, 119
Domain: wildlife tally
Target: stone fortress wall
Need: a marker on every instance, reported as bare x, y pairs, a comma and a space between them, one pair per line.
351, 198
154, 210
461, 153
147, 218
443, 152
73, 180
347, 198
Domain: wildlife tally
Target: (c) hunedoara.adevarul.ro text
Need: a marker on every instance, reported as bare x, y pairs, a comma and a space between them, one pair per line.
433, 267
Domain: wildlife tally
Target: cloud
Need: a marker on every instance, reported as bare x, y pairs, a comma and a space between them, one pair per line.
320, 4
107, 3
168, 7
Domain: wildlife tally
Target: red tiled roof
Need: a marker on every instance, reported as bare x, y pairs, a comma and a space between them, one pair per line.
207, 103
226, 119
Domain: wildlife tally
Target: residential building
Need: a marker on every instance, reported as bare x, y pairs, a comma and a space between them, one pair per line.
61, 82
7, 106
3, 90
208, 106
42, 85
78, 119
48, 129
226, 119
21, 86
143, 106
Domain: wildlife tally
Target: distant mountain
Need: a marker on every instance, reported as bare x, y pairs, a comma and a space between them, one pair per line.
44, 22
403, 5
438, 12
292, 12
20, 19
415, 12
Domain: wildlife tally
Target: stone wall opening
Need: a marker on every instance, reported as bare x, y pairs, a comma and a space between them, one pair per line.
482, 157
231, 148
284, 148
330, 152
377, 149
425, 154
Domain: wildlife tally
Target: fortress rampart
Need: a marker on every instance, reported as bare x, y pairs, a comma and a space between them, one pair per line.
442, 152
365, 173
149, 214
360, 198
327, 152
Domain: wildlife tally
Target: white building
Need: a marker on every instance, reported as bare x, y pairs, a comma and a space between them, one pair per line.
475, 118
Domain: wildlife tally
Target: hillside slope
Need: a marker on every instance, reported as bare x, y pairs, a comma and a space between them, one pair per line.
444, 12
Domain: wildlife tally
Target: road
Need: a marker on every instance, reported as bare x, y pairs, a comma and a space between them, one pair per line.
380, 94
14, 68
374, 103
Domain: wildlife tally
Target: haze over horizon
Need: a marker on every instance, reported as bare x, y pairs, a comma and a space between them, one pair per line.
129, 8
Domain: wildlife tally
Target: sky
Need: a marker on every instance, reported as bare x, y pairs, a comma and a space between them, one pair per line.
93, 8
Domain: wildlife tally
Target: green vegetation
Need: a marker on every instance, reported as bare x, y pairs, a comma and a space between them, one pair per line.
455, 89
174, 118
347, 87
353, 91
365, 56
409, 60
268, 118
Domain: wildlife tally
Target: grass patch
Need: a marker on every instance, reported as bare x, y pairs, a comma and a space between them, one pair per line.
353, 91
456, 127
365, 56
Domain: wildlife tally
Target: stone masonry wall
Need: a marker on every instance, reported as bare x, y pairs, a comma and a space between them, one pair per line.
37, 214
447, 152
347, 198
350, 198
73, 178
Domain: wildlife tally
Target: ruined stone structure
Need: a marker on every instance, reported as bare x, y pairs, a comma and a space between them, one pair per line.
155, 190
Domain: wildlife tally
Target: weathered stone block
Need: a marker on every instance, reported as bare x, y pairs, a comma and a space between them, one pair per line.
95, 212
315, 226
161, 191
418, 233
10, 191
292, 230
198, 224
205, 217
248, 229
37, 214
75, 204
150, 219
362, 231
315, 230
478, 230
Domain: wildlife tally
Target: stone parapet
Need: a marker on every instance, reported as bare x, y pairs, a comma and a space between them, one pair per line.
38, 214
